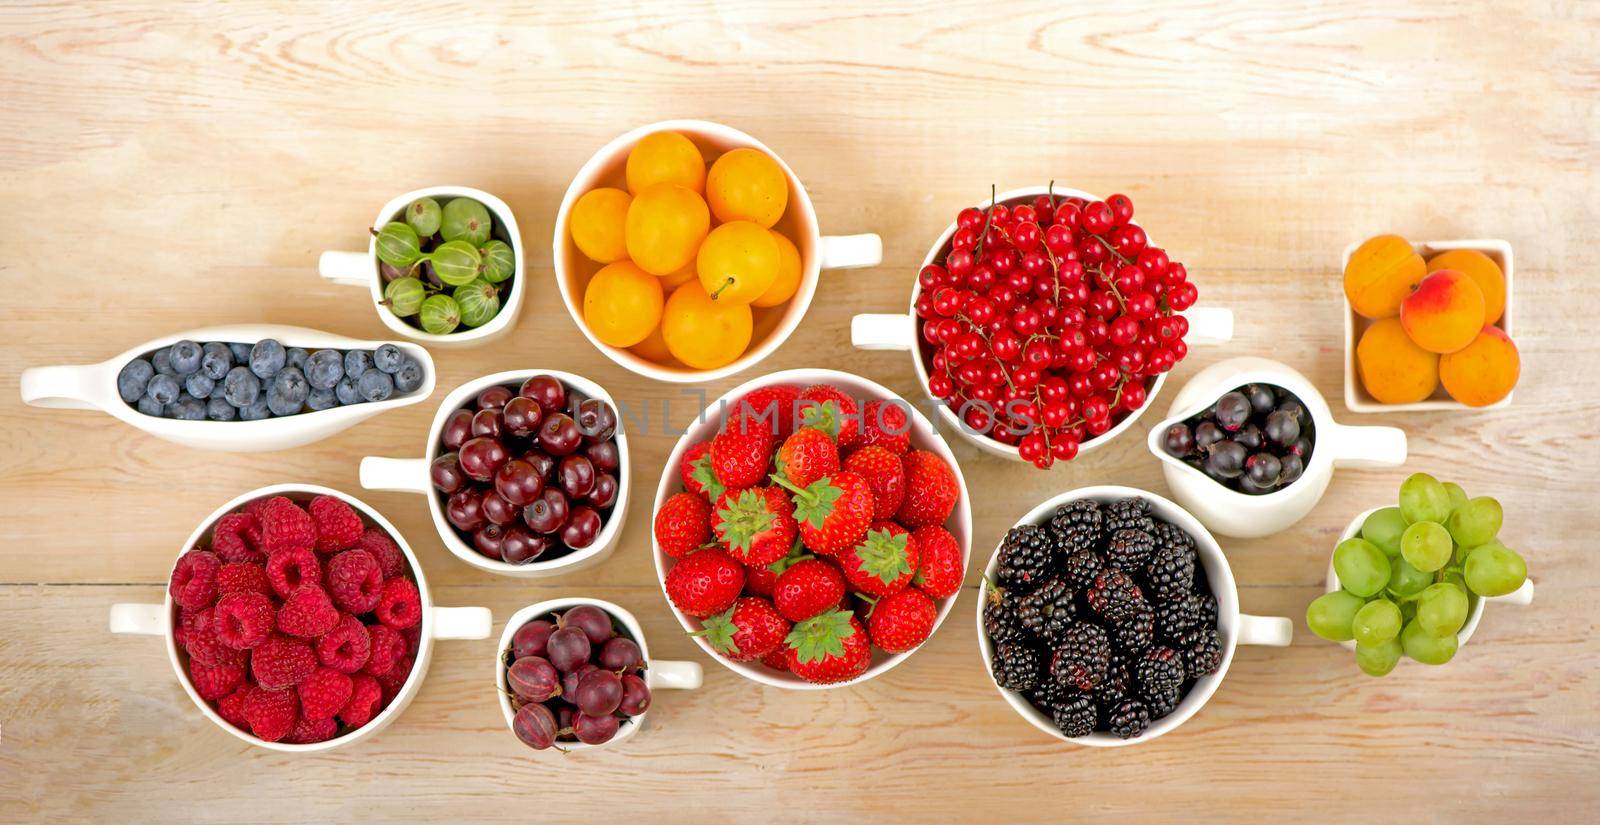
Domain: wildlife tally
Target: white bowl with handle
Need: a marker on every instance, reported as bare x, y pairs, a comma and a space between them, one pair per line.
94, 387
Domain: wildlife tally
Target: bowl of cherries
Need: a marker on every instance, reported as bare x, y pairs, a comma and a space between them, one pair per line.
1044, 321
526, 473
1249, 446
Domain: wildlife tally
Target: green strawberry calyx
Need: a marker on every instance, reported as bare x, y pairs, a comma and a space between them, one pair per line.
812, 504
702, 473
719, 630
825, 416
821, 636
883, 554
746, 517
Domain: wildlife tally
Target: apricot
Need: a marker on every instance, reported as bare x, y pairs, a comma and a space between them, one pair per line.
1483, 371
1381, 273
1483, 271
1393, 368
1445, 313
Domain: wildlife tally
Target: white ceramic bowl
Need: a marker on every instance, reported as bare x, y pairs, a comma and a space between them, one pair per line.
1356, 396
923, 436
437, 622
772, 326
362, 268
1234, 627
658, 673
1207, 325
1232, 513
1521, 597
410, 475
94, 387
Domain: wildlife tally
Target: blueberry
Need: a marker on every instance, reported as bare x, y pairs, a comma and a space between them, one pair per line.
266, 358
150, 406
409, 376
296, 357
324, 369
163, 388
161, 359
241, 388
321, 400
241, 353
346, 391
388, 358
256, 411
187, 408
216, 362
133, 378
186, 357
218, 409
375, 385
356, 362
199, 385
288, 391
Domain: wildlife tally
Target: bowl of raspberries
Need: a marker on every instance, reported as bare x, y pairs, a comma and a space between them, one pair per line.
297, 619
811, 529
1109, 616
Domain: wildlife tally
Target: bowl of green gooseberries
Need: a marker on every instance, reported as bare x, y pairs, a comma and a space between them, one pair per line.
1410, 581
443, 267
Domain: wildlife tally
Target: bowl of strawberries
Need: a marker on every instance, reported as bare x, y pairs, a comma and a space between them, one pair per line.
811, 529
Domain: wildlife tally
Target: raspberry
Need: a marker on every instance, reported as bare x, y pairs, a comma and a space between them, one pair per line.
186, 623
237, 538
365, 697
308, 613
413, 637
387, 649
282, 662
307, 731
401, 606
286, 527
194, 579
255, 507
390, 559
338, 526
243, 577
271, 714
323, 693
346, 647
231, 707
203, 643
395, 679
213, 683
242, 620
355, 581
291, 569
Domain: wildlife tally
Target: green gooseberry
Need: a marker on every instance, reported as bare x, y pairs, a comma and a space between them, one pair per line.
404, 296
397, 244
440, 315
479, 302
423, 215
497, 261
464, 219
455, 262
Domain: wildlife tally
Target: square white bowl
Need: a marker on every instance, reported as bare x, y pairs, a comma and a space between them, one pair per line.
1356, 397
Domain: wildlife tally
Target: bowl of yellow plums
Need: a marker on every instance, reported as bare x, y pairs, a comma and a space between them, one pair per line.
688, 251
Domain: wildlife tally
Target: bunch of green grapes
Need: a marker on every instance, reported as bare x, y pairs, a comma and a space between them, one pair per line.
1406, 583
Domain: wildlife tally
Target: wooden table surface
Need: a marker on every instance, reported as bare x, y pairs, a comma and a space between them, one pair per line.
169, 166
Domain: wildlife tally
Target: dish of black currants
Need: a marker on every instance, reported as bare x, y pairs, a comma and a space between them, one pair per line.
1256, 439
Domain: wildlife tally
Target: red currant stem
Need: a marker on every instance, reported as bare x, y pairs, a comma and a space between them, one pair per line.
977, 248
1050, 191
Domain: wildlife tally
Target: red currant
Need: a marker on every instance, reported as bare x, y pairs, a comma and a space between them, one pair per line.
1102, 304
931, 276
1182, 296
1026, 378
1154, 263
980, 278
1141, 305
1121, 209
970, 218
1176, 274
1023, 214
1095, 408
1105, 374
1063, 449
1043, 209
1098, 218
1131, 359
981, 309
1054, 415
1130, 240
925, 307
1093, 251
1129, 279
959, 262
1058, 239
1002, 260
1079, 385
1133, 396
1124, 330
1026, 236
1054, 391
999, 213
1006, 346
1098, 426
1032, 448
1068, 214
940, 386
1026, 322
1097, 330
1082, 360
964, 239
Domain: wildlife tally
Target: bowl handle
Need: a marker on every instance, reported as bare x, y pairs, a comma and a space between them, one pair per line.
1368, 447
849, 251
462, 622
345, 268
676, 675
1272, 631
395, 475
1521, 597
1209, 325
63, 387
883, 332
139, 619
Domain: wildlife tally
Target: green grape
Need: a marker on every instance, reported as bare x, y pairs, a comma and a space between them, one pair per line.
1378, 659
1376, 622
423, 216
1423, 498
1476, 521
1425, 648
1329, 615
403, 296
1426, 546
479, 302
1407, 581
464, 219
1383, 528
455, 262
1442, 609
397, 245
440, 315
498, 261
1457, 495
1494, 570
1361, 567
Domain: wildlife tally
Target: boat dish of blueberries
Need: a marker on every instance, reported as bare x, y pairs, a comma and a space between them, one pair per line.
529, 472
220, 381
1256, 439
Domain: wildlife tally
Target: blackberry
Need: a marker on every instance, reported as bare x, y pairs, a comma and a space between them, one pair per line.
1170, 572
1202, 652
1118, 685
1114, 596
1026, 555
1082, 657
1136, 634
1179, 616
1078, 525
1050, 606
1158, 672
1129, 514
1164, 704
1049, 693
1128, 719
1016, 666
1172, 535
1076, 716
1130, 549
1000, 618
1081, 566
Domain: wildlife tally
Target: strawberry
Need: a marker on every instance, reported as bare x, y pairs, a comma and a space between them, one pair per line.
884, 561
829, 648
773, 405
885, 474
750, 629
931, 490
778, 659
940, 569
741, 452
759, 580
833, 512
695, 469
755, 525
682, 524
807, 588
886, 424
705, 582
903, 620
831, 411
807, 455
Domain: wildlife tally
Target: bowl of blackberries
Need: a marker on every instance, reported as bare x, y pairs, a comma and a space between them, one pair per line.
526, 473
1109, 616
1249, 446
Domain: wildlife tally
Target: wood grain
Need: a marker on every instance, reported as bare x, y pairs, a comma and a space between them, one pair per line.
170, 166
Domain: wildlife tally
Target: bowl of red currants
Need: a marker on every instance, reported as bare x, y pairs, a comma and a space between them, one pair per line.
1044, 321
576, 673
526, 473
1249, 446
